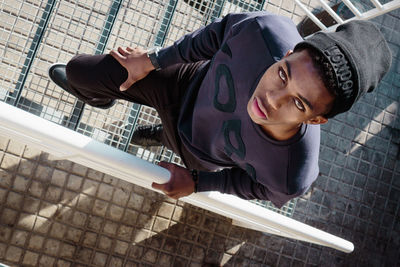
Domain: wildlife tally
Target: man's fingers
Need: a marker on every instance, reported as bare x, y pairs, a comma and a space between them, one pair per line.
158, 186
126, 85
120, 58
123, 51
129, 49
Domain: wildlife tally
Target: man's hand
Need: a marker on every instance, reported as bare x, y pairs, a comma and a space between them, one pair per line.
179, 185
135, 61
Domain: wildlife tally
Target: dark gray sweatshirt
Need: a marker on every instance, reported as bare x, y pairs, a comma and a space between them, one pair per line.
214, 124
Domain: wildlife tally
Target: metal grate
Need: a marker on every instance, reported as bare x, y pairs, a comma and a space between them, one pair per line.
36, 34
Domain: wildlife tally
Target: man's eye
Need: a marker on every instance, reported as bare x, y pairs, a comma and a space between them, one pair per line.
282, 74
298, 104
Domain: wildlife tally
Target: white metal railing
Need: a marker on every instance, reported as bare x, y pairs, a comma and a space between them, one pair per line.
379, 9
67, 144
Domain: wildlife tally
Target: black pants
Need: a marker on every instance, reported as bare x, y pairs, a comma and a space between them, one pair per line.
100, 76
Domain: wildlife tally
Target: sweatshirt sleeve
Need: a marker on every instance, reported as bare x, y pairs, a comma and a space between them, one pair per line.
237, 182
203, 43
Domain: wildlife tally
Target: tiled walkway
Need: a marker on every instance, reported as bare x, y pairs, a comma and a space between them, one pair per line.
57, 213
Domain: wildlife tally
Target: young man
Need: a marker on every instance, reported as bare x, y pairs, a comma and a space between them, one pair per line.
236, 103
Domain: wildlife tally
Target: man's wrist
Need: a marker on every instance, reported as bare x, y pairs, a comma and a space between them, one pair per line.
152, 54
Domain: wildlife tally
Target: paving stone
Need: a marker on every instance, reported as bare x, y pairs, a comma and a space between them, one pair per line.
19, 238
150, 204
58, 230
14, 200
95, 223
84, 255
121, 247
155, 241
43, 173
63, 263
36, 242
15, 148
166, 210
180, 262
85, 203
117, 262
104, 243
47, 159
79, 169
100, 208
51, 247
53, 194
205, 238
95, 175
198, 253
120, 196
89, 239
100, 259
21, 183
64, 165
79, 219
135, 201
13, 254
74, 182
25, 168
124, 232
63, 214
8, 217
110, 228
105, 192
3, 248
115, 212
5, 234
160, 224
179, 213
150, 255
30, 258
108, 179
4, 143
59, 177
47, 209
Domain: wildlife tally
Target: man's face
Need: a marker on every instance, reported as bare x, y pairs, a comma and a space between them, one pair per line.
290, 93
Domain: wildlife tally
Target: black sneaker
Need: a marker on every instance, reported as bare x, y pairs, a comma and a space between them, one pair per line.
58, 75
147, 135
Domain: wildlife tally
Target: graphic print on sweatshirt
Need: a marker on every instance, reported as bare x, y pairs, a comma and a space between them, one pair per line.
234, 75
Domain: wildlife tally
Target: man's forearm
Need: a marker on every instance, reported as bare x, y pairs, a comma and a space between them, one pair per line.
203, 43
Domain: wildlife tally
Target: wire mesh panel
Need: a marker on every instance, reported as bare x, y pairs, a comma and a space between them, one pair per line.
22, 24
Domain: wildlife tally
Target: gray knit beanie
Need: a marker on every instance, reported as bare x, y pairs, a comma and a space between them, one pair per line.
359, 56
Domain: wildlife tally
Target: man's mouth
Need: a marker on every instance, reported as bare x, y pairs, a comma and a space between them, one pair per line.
257, 109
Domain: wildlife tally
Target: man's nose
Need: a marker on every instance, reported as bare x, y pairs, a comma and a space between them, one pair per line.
276, 98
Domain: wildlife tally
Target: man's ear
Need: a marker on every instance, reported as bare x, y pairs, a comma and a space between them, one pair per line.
317, 120
288, 53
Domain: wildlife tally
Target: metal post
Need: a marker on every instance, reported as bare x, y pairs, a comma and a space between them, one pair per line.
166, 23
